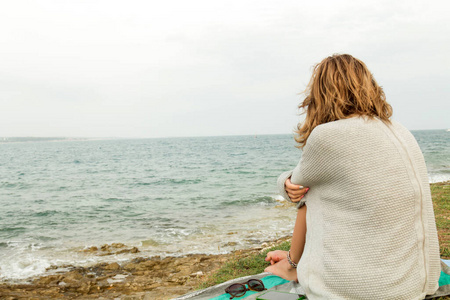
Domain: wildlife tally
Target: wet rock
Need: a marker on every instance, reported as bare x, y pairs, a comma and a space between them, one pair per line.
91, 249
230, 244
114, 248
105, 247
48, 280
131, 250
117, 245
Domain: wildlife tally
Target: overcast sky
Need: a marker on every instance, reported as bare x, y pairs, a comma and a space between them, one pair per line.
104, 68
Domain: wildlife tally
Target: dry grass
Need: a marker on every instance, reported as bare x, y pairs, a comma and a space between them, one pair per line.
441, 202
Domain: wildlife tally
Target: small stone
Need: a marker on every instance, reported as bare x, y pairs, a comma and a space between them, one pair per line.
113, 266
105, 247
84, 288
197, 274
204, 258
91, 249
130, 266
72, 276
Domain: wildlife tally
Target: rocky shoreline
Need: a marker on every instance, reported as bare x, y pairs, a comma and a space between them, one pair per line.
139, 278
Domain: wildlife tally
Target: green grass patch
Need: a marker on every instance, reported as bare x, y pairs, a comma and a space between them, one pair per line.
242, 266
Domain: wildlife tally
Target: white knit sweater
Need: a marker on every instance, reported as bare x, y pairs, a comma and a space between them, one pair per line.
371, 232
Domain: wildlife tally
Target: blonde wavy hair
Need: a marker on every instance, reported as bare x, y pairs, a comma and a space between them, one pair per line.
341, 87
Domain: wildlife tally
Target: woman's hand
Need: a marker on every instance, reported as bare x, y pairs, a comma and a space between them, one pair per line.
294, 191
283, 269
276, 256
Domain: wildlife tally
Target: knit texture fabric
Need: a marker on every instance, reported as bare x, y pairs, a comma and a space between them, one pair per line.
371, 232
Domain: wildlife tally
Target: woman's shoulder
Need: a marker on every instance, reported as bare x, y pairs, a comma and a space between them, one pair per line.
355, 124
332, 134
344, 126
356, 130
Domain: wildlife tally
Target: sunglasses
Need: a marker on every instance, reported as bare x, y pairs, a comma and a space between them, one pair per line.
239, 289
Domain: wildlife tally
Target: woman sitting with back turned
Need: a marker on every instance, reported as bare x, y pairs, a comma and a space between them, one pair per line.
366, 228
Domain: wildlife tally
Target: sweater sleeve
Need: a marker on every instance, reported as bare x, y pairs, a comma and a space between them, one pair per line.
314, 163
306, 172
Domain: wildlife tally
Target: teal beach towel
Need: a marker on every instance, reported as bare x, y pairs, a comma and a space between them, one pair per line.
444, 279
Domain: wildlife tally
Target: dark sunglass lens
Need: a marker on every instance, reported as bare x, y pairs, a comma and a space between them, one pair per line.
236, 290
256, 285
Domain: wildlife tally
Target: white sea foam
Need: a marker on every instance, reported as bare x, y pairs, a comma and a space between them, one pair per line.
438, 177
21, 267
279, 198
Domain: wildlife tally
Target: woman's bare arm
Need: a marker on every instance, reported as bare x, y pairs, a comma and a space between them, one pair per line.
299, 235
280, 265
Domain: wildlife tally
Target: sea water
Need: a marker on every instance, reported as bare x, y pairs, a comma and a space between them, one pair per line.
169, 196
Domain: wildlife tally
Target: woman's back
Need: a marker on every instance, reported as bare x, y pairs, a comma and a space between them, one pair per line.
370, 223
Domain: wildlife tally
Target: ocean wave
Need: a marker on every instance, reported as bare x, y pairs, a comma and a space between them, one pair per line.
12, 229
113, 199
14, 185
27, 266
46, 213
168, 181
262, 200
182, 181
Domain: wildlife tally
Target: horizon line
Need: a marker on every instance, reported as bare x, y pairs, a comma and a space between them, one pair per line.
3, 138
